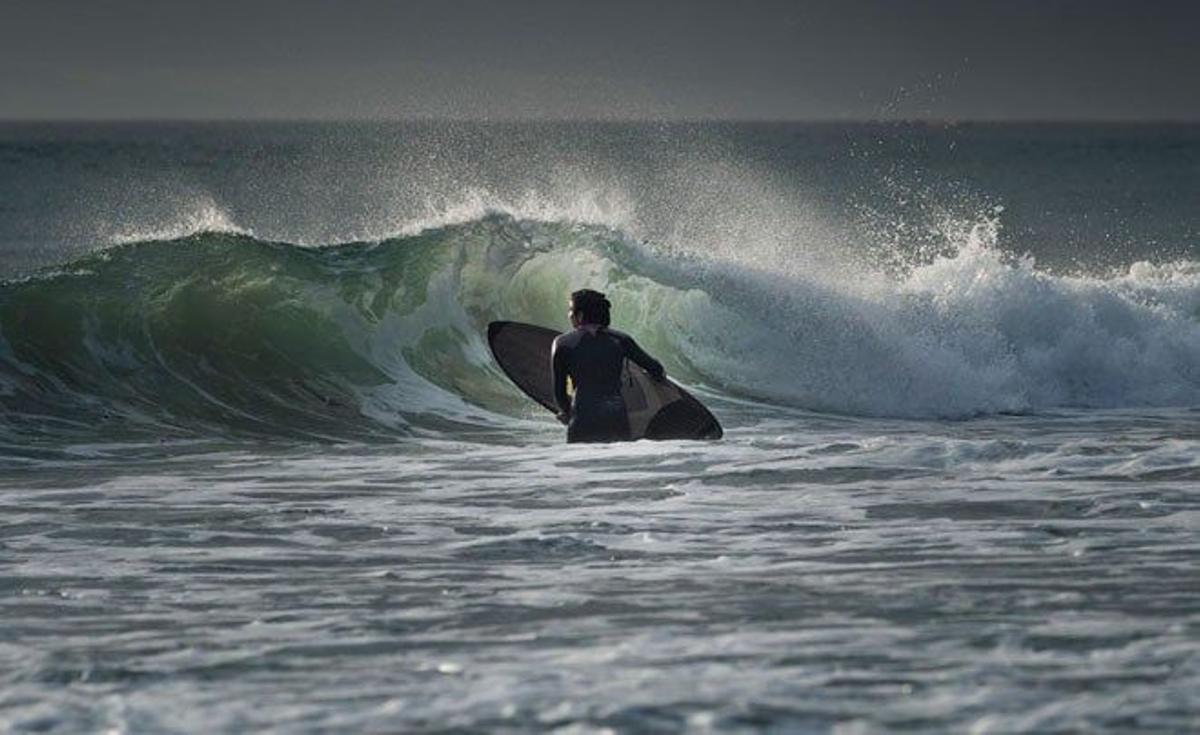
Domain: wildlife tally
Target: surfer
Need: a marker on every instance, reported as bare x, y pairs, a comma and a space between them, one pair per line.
592, 355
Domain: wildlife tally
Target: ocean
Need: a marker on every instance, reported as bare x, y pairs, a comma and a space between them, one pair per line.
258, 470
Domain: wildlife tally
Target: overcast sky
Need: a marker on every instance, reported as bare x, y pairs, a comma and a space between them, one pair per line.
848, 59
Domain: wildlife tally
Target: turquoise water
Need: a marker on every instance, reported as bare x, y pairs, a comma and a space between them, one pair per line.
258, 469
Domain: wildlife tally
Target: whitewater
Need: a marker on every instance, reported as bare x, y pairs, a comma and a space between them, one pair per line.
259, 470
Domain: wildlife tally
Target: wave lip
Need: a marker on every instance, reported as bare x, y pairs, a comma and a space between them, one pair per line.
206, 218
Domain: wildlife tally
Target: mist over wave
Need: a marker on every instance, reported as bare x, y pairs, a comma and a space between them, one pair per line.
220, 331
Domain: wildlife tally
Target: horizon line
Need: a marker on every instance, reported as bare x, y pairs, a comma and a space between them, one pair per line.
939, 122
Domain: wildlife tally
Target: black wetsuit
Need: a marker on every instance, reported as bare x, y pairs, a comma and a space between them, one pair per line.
593, 358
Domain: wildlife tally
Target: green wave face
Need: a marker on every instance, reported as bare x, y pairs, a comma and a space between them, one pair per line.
224, 333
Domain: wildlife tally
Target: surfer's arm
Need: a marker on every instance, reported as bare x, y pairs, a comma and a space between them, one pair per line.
634, 352
558, 371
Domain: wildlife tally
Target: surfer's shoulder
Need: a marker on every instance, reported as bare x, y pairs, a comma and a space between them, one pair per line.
566, 339
618, 334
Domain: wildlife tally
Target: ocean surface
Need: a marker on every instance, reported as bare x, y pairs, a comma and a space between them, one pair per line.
258, 470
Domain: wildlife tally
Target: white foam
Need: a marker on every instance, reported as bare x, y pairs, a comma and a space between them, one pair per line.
971, 332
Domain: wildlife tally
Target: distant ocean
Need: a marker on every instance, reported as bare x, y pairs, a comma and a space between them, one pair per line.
258, 469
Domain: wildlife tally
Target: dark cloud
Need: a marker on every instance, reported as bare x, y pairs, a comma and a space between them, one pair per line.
1016, 59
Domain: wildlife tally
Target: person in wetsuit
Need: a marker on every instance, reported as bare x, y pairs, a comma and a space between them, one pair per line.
593, 355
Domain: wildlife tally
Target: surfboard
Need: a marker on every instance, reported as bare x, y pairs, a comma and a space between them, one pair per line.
656, 410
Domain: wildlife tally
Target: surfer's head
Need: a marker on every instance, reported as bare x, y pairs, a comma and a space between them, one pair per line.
590, 307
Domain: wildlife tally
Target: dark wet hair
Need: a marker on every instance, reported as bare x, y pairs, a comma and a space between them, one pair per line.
591, 307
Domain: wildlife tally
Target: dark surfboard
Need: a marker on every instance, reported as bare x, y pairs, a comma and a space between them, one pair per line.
656, 410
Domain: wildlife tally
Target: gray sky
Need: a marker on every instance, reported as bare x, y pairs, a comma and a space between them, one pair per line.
871, 59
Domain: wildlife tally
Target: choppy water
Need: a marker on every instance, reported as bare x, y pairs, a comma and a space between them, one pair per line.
258, 470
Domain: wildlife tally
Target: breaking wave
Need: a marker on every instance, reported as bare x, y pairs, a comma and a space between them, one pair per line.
218, 331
